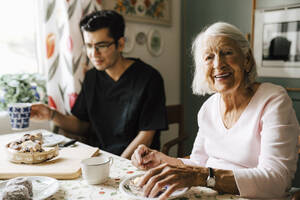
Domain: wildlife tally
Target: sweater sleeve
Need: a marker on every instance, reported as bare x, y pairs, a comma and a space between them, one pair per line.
277, 161
198, 156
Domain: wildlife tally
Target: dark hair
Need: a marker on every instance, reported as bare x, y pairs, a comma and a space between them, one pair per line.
104, 19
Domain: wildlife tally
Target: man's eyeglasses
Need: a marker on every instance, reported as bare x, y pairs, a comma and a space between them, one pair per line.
100, 48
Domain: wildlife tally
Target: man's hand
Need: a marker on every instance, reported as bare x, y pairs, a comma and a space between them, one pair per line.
40, 112
68, 123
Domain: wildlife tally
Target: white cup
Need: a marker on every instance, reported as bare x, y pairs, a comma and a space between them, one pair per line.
95, 170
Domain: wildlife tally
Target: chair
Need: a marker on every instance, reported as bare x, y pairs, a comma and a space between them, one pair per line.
175, 115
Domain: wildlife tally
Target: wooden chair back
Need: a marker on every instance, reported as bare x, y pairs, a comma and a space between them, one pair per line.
175, 116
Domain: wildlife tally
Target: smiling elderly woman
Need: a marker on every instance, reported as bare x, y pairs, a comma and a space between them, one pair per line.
247, 138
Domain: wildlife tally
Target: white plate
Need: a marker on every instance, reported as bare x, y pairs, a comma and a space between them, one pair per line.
50, 140
42, 186
126, 188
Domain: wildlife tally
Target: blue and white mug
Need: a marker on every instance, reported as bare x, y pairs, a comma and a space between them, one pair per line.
19, 114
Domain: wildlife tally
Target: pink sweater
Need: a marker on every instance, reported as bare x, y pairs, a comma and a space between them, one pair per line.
261, 147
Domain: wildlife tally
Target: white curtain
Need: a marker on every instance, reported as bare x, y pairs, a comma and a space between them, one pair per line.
60, 48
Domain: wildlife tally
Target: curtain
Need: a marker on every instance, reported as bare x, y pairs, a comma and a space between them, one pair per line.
60, 48
61, 54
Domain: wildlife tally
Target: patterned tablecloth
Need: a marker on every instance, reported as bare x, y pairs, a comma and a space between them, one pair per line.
120, 170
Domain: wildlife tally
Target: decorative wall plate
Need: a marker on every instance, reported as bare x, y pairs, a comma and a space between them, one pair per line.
155, 43
141, 38
129, 40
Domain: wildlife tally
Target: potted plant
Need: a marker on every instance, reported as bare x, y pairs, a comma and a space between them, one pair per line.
22, 88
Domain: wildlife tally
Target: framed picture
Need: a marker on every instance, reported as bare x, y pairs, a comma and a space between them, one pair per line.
144, 11
277, 42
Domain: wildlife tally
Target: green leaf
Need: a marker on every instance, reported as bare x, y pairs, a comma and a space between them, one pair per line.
50, 9
60, 31
113, 193
53, 68
127, 187
68, 65
71, 9
86, 10
62, 92
76, 64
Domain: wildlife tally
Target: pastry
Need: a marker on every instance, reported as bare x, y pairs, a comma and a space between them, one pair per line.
28, 149
21, 181
16, 192
138, 191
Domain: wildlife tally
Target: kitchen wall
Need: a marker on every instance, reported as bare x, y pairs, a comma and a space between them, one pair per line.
168, 63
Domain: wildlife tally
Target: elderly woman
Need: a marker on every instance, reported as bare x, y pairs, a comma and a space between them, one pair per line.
247, 139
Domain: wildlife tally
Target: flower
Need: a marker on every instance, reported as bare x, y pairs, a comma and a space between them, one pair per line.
70, 43
133, 2
120, 6
51, 102
72, 99
50, 44
147, 3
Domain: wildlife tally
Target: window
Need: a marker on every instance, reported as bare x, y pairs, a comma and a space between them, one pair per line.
17, 37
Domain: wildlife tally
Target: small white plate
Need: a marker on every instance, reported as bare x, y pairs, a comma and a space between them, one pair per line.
50, 140
42, 187
126, 188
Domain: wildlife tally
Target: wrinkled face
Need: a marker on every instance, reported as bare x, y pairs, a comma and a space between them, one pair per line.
224, 64
102, 49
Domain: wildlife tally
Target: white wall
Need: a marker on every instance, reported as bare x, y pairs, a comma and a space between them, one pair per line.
168, 63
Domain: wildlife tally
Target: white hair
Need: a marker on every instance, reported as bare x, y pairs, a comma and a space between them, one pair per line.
200, 85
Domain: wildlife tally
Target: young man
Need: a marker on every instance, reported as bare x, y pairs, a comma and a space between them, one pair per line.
122, 100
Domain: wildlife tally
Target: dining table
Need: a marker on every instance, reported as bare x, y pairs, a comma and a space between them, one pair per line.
121, 168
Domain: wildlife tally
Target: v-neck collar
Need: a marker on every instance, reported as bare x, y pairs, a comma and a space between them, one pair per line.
124, 73
241, 116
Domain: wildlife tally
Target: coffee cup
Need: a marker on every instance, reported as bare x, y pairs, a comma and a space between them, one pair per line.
19, 114
95, 170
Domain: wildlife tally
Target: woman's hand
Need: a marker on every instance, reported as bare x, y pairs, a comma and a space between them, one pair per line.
172, 177
40, 112
145, 158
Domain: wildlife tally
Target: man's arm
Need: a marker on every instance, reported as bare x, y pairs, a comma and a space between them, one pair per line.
70, 123
41, 112
143, 137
